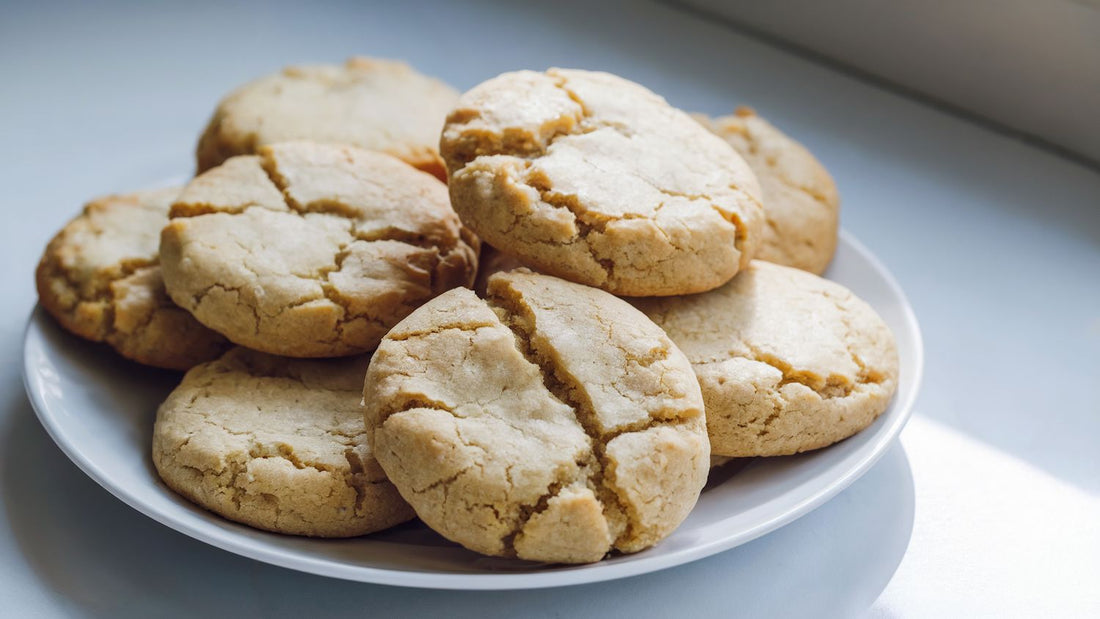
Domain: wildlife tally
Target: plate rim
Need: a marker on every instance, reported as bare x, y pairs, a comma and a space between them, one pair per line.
577, 575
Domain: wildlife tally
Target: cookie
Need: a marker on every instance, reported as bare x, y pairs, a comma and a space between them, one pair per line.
550, 421
312, 250
100, 278
787, 361
381, 105
801, 205
278, 444
597, 180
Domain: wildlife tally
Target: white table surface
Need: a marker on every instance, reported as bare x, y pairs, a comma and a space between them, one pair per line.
989, 507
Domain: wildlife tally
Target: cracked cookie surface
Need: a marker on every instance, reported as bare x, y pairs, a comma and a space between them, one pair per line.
787, 361
593, 178
381, 105
550, 421
100, 278
801, 205
278, 444
312, 250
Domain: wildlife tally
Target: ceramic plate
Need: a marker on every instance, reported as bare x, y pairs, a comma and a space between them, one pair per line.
99, 409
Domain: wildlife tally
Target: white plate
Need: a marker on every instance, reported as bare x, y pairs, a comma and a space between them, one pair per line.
99, 409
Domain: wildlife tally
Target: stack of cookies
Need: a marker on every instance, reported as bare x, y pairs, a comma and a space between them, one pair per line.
648, 302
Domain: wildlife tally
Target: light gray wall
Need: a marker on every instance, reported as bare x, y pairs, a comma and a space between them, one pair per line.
1031, 65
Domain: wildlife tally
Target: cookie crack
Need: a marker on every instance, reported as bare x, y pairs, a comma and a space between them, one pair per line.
765, 426
866, 373
321, 276
100, 293
599, 468
400, 235
331, 294
116, 336
336, 208
678, 194
586, 224
197, 299
236, 464
526, 513
587, 122
469, 326
406, 403
588, 221
444, 482
420, 401
834, 386
831, 387
236, 468
341, 210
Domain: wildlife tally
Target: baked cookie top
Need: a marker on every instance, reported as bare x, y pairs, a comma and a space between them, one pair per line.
550, 421
801, 205
787, 361
278, 444
312, 250
377, 104
100, 278
595, 179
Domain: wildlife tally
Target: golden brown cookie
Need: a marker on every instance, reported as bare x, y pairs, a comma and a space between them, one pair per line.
278, 444
100, 278
787, 361
550, 421
595, 179
381, 105
312, 250
801, 204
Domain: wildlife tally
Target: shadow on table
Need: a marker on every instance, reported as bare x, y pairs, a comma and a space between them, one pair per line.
107, 560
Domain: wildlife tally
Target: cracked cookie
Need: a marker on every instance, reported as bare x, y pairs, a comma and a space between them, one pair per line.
381, 105
550, 421
593, 178
801, 205
100, 278
278, 444
787, 361
312, 250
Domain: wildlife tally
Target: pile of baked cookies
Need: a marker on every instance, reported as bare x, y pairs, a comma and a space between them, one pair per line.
648, 298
